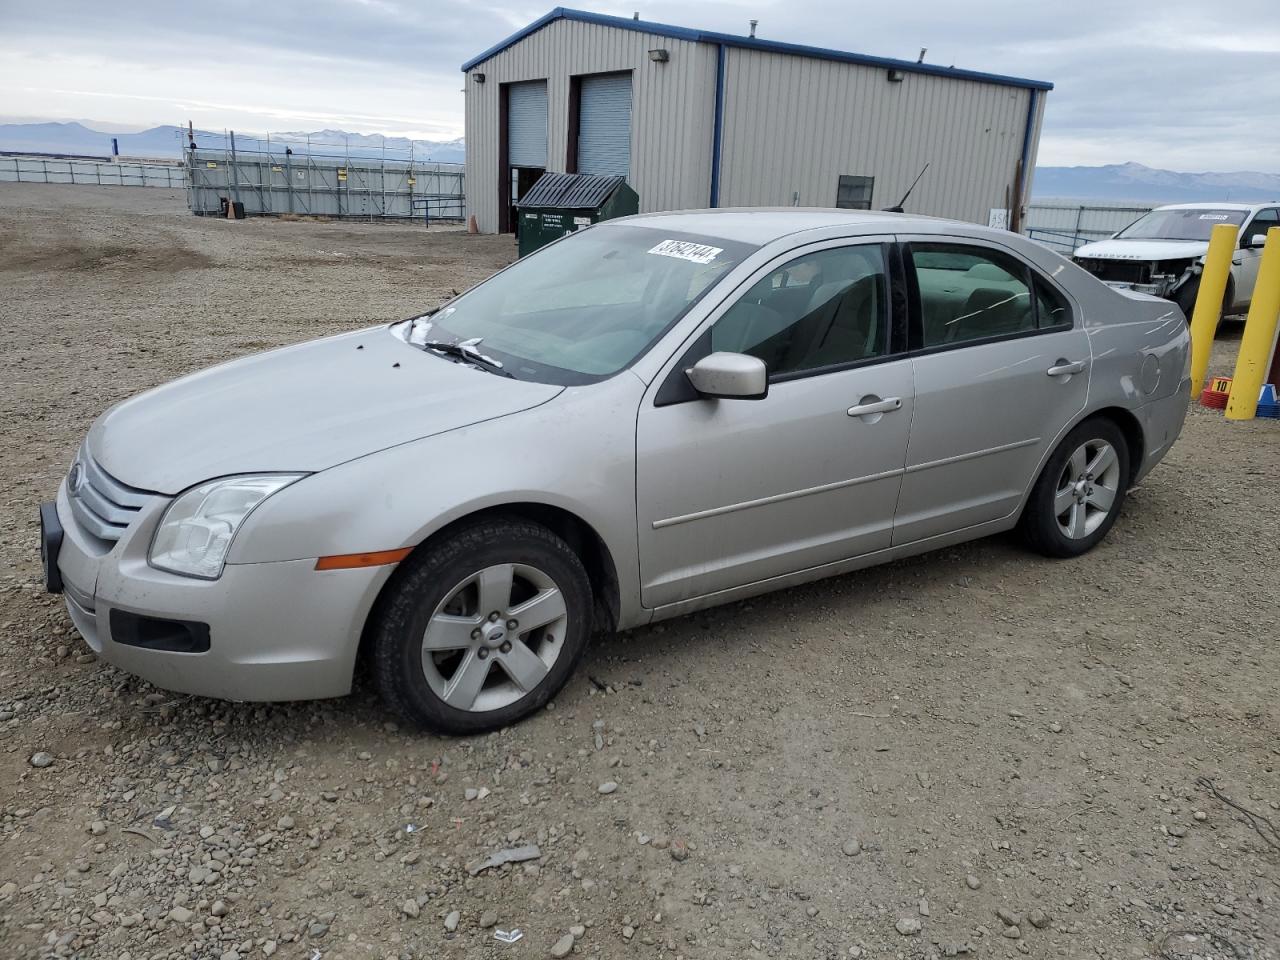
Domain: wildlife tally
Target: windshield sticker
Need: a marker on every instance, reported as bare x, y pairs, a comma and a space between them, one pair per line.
1214, 216
684, 250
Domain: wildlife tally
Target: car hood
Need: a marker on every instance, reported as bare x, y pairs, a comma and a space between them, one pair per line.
299, 409
1144, 249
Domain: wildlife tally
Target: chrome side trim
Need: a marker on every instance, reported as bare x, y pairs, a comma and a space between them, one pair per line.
959, 458
776, 498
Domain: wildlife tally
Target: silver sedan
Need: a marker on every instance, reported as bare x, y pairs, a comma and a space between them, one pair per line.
649, 417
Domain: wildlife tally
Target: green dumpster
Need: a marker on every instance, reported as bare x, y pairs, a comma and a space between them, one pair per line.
561, 203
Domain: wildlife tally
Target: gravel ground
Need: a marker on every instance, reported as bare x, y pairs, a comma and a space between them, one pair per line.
972, 753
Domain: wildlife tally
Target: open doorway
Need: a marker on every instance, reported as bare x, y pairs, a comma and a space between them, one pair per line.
522, 181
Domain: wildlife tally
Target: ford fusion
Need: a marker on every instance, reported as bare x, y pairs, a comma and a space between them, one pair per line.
649, 417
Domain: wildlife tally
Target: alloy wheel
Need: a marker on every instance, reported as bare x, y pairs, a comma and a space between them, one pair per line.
494, 637
1087, 488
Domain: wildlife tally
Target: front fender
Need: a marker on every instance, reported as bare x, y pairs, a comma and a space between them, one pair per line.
576, 453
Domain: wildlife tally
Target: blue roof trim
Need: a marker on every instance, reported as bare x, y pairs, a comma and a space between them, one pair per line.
752, 43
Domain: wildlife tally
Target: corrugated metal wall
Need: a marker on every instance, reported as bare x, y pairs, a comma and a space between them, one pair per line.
792, 125
671, 119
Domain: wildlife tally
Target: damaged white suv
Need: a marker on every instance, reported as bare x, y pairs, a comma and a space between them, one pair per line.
1162, 253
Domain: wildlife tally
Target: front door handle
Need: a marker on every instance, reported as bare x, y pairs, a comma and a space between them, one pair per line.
872, 405
1063, 367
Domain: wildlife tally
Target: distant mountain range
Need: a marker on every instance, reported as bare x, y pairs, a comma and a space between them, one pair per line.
167, 142
1134, 182
1131, 182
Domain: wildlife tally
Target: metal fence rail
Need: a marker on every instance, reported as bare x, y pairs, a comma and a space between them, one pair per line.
1065, 225
103, 173
280, 182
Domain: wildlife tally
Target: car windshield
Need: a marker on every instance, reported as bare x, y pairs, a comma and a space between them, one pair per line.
585, 307
1193, 223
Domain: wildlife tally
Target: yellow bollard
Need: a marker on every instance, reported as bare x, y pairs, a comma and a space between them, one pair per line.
1208, 309
1259, 334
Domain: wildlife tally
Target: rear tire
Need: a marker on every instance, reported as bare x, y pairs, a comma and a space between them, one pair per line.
1080, 492
449, 649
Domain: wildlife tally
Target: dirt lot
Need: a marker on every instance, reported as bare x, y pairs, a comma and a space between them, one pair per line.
992, 753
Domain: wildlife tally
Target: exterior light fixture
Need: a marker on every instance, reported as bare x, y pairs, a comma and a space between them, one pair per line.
479, 77
660, 55
895, 76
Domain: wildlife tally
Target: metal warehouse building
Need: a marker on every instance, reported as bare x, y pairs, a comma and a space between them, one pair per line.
695, 119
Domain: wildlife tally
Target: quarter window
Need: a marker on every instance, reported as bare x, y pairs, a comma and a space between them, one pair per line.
820, 310
971, 293
1051, 307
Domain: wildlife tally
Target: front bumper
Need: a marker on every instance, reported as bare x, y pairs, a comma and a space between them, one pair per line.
1161, 289
275, 631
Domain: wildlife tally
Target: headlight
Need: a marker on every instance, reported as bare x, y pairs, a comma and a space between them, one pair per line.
196, 530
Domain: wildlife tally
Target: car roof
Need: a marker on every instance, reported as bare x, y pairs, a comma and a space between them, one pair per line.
1249, 207
762, 225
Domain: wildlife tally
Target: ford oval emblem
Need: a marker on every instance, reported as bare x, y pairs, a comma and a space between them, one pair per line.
75, 479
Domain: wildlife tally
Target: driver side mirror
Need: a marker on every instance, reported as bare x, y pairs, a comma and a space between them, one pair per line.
730, 376
1255, 242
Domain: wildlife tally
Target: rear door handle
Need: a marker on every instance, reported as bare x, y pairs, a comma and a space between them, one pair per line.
1063, 367
875, 406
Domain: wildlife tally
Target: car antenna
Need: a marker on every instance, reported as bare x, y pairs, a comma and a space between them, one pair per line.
898, 208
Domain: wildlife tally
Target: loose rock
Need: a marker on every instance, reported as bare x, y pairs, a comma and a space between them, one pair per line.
908, 926
563, 946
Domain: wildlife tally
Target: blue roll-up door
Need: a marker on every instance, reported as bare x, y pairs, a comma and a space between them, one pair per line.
527, 124
604, 125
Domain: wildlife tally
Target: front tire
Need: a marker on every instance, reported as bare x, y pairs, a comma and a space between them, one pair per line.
1186, 298
1080, 492
482, 628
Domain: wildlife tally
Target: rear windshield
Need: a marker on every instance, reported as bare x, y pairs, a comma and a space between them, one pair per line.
588, 306
1184, 224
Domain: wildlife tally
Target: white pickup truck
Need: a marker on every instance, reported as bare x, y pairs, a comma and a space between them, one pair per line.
1162, 253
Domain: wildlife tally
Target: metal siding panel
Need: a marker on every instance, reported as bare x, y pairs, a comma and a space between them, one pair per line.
670, 164
794, 125
527, 124
604, 125
791, 124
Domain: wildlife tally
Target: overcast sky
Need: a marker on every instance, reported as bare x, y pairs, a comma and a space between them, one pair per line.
1181, 84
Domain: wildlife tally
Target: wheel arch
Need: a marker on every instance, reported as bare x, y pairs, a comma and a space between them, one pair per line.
1125, 421
1131, 427
581, 537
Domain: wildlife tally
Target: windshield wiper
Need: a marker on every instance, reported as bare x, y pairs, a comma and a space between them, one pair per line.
469, 351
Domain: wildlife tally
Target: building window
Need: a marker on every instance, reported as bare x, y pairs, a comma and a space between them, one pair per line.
854, 193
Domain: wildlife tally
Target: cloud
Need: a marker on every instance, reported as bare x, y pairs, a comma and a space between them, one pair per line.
1167, 83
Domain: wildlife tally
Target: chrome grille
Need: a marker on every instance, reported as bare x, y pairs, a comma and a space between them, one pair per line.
100, 503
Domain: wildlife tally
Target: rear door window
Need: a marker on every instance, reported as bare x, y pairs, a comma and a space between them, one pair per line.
971, 293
